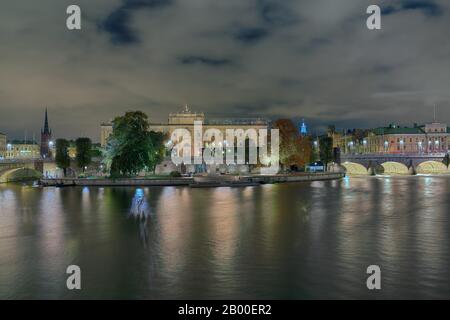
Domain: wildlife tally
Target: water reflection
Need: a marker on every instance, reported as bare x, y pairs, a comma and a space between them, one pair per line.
305, 240
140, 211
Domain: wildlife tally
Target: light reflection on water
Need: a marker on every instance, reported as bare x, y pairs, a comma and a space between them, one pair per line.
306, 240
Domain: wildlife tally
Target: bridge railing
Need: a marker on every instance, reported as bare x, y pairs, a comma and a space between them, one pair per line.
393, 155
13, 161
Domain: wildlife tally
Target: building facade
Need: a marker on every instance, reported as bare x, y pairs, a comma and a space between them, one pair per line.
185, 119
2, 146
46, 137
22, 150
419, 139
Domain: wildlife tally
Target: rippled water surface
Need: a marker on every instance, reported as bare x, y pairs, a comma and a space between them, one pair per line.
286, 241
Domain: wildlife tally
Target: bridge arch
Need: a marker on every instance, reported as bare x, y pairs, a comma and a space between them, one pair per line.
391, 167
431, 167
353, 168
18, 174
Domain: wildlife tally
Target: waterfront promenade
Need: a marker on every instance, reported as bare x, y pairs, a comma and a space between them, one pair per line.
206, 181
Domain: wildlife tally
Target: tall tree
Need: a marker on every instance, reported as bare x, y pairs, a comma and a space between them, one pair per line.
290, 143
326, 150
84, 152
158, 149
131, 147
306, 150
62, 158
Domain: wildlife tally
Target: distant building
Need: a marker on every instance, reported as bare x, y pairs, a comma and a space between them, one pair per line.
393, 139
22, 150
185, 119
303, 128
46, 137
2, 146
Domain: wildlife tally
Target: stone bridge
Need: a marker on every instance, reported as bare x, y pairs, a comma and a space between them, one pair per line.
370, 164
15, 170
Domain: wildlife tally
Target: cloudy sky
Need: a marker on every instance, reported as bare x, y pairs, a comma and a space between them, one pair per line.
312, 59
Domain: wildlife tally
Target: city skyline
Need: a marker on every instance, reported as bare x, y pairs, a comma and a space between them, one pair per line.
313, 60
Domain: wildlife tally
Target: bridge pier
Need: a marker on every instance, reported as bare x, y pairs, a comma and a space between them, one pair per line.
405, 164
411, 168
16, 170
371, 169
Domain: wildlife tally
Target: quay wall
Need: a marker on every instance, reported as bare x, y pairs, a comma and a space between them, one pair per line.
62, 182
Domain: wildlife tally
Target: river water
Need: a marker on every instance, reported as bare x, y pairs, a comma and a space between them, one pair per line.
286, 241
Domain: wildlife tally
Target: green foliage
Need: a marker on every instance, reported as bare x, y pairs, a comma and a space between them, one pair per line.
96, 153
175, 174
131, 147
62, 158
159, 150
326, 149
84, 152
295, 151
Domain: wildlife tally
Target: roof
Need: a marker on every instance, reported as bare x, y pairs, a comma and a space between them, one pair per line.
23, 142
398, 130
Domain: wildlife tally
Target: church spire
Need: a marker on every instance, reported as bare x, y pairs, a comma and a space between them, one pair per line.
46, 129
46, 136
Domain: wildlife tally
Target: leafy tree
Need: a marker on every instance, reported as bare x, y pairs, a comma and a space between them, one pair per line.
306, 150
290, 143
84, 152
96, 151
131, 147
159, 150
326, 149
62, 158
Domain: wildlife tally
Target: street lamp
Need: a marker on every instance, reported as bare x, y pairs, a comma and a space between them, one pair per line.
50, 144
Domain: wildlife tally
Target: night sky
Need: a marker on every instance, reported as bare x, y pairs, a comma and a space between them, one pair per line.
312, 59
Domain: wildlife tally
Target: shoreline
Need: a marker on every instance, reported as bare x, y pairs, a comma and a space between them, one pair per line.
211, 181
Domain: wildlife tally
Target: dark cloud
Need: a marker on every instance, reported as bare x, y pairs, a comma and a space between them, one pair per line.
277, 12
117, 24
213, 62
312, 59
251, 35
428, 7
